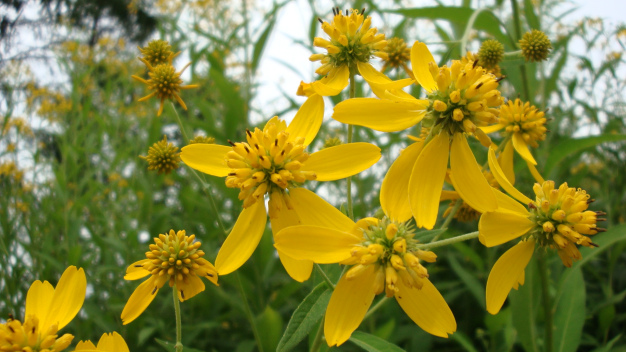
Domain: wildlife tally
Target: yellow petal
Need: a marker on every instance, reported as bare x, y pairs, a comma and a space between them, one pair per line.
342, 161
502, 180
320, 244
506, 272
535, 173
305, 89
381, 115
308, 120
394, 192
207, 158
67, 299
426, 181
427, 308
502, 226
331, 85
420, 57
243, 238
522, 148
85, 346
38, 300
506, 162
468, 178
139, 300
448, 195
492, 128
135, 271
113, 342
191, 286
313, 210
508, 203
375, 77
299, 270
348, 305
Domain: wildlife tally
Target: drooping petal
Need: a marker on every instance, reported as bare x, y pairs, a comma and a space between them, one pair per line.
420, 57
113, 342
87, 346
207, 158
207, 270
320, 244
468, 178
191, 286
533, 171
492, 128
426, 181
501, 226
427, 308
135, 271
502, 180
508, 203
522, 148
308, 120
313, 210
506, 273
342, 161
394, 192
243, 238
375, 77
348, 305
331, 85
506, 162
68, 298
39, 299
381, 115
139, 300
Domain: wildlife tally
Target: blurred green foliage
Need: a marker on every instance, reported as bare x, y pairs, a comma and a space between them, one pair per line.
78, 194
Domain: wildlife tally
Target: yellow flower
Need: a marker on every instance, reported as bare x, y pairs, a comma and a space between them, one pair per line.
471, 58
273, 161
165, 83
384, 257
558, 218
157, 52
48, 310
352, 43
112, 342
459, 99
163, 157
174, 258
398, 54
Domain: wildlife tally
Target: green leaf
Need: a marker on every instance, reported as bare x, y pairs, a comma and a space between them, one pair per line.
464, 341
372, 343
172, 347
426, 236
569, 316
469, 279
270, 325
570, 146
525, 305
305, 317
486, 21
260, 44
531, 17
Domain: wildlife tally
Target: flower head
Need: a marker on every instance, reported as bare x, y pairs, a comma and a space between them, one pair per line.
202, 139
48, 310
384, 257
558, 218
112, 342
157, 52
473, 57
165, 83
398, 54
490, 54
163, 157
535, 46
273, 161
174, 258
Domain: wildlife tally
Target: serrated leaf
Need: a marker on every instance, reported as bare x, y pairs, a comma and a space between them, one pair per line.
172, 347
569, 316
570, 146
305, 317
373, 343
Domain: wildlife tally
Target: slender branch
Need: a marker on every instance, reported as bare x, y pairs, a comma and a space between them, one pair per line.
324, 276
317, 341
518, 35
179, 327
378, 304
448, 220
180, 124
352, 94
449, 241
545, 300
468, 29
249, 315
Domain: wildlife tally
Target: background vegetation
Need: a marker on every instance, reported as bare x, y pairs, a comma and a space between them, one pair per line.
73, 190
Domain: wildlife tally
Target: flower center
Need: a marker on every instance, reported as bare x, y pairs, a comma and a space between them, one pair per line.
165, 81
391, 248
268, 163
562, 219
175, 255
524, 119
18, 337
467, 97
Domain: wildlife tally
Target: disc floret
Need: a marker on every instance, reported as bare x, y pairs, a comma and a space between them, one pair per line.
268, 163
351, 41
467, 97
390, 247
562, 219
18, 337
523, 118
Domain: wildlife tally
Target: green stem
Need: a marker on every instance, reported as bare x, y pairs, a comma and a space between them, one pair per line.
317, 342
545, 295
513, 54
179, 327
468, 29
248, 311
378, 304
449, 241
180, 124
518, 35
324, 276
352, 94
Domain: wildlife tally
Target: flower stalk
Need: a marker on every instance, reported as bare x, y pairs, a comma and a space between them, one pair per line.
179, 327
